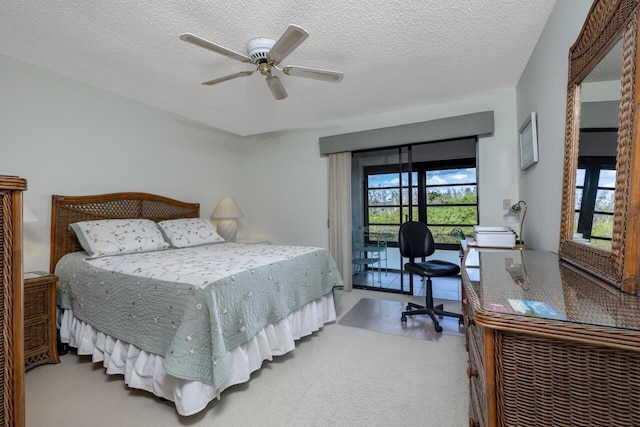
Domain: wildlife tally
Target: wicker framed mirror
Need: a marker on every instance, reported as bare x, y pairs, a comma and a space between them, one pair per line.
610, 23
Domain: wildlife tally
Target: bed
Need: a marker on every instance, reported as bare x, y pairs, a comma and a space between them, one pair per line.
183, 315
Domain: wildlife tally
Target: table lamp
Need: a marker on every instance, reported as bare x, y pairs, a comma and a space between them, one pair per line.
225, 215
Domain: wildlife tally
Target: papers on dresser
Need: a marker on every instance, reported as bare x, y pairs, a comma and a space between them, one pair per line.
534, 308
491, 229
494, 237
496, 240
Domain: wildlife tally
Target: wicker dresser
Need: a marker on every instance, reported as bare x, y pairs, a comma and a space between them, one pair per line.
581, 369
11, 324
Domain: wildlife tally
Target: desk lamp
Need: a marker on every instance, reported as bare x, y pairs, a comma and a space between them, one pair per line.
517, 213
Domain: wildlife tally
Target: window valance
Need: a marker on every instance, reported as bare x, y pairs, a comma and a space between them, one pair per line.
474, 124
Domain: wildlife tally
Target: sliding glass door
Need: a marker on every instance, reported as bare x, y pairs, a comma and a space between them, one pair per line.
410, 183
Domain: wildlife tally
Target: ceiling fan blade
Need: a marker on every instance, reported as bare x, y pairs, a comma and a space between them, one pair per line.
276, 87
287, 43
313, 73
190, 38
229, 77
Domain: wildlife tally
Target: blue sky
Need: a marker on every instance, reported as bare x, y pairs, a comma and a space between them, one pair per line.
607, 178
449, 176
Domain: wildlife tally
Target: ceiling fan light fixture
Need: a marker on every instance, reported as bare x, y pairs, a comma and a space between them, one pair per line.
259, 47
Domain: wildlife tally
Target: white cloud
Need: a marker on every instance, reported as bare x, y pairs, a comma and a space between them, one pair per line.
436, 180
459, 176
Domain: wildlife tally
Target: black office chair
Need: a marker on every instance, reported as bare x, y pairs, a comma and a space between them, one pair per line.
415, 241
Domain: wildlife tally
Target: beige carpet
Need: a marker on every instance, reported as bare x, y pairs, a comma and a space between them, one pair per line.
339, 376
381, 315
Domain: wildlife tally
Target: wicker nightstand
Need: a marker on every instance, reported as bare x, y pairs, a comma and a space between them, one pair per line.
40, 319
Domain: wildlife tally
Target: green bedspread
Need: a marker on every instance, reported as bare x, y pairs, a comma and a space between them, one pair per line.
193, 325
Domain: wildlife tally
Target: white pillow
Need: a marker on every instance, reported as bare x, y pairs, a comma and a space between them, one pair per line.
118, 236
185, 232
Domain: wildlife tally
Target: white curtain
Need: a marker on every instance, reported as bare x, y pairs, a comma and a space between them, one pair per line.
340, 214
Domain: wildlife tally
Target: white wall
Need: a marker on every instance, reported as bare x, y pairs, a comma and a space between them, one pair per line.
68, 138
286, 179
543, 88
285, 189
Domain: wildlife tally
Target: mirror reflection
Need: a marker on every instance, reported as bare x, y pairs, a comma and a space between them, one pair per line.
596, 172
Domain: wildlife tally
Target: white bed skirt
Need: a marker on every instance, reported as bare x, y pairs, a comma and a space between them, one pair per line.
145, 370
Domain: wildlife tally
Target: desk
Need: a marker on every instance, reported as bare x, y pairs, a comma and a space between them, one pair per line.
580, 370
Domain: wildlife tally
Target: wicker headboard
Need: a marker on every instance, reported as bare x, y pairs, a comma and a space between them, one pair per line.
66, 210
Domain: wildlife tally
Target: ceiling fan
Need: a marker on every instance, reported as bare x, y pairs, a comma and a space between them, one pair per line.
266, 54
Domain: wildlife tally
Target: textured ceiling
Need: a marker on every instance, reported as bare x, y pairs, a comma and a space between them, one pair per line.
394, 54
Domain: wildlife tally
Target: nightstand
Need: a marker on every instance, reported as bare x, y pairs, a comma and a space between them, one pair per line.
40, 319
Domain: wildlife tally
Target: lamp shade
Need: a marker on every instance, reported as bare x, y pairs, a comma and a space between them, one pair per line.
226, 208
28, 215
224, 216
512, 216
517, 213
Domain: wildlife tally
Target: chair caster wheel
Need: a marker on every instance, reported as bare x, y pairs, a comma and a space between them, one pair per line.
403, 319
438, 328
407, 308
